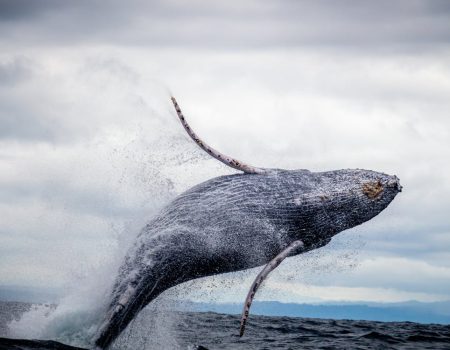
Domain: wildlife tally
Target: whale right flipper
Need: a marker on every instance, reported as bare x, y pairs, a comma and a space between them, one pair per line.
272, 265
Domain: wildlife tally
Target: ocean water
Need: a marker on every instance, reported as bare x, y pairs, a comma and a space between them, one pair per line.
207, 330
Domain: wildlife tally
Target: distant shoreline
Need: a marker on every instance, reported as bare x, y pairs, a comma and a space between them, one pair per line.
424, 313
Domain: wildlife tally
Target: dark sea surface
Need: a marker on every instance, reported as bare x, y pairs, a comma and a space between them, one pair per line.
218, 331
208, 330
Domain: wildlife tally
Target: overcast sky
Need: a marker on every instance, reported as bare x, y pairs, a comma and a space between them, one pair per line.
90, 147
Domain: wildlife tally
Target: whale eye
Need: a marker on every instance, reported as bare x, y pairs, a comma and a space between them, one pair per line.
373, 189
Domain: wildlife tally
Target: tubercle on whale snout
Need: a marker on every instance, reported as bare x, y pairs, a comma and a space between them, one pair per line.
240, 221
374, 189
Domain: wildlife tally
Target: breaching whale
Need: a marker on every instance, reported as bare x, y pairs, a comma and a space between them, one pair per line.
236, 222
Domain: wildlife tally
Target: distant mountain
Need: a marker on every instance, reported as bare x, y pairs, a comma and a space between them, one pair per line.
413, 311
438, 312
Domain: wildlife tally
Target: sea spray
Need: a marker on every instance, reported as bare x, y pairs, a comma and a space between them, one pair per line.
154, 328
119, 177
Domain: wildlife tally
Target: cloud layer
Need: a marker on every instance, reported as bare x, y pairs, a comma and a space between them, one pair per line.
402, 24
90, 146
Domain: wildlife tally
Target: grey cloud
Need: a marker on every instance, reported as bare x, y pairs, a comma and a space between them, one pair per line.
24, 120
36, 105
289, 109
13, 10
20, 117
382, 25
17, 123
414, 276
14, 70
81, 201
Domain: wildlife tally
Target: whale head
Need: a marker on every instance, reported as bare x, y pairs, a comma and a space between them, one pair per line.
326, 203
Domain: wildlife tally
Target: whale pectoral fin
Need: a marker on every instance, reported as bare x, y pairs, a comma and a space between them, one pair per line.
231, 162
272, 265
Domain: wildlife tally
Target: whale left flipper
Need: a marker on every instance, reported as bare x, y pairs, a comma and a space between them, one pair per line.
272, 265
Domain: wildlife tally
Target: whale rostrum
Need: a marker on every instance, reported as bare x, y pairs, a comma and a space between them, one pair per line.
237, 222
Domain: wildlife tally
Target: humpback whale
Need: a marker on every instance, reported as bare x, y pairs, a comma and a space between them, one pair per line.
236, 222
